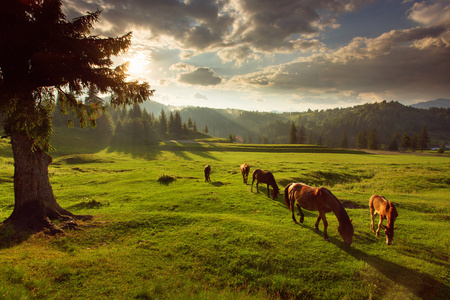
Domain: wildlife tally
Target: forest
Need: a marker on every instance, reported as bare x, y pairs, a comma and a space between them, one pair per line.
381, 125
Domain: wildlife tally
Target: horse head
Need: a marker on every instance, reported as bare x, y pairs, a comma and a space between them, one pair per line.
346, 232
389, 232
275, 191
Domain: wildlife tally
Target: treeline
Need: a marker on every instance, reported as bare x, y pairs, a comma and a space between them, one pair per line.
135, 124
384, 125
332, 127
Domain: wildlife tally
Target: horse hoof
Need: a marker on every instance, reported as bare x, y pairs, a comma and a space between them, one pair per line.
327, 239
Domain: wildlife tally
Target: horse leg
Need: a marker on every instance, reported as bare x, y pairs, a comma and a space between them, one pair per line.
317, 222
252, 183
372, 216
302, 216
325, 226
293, 211
257, 189
379, 225
268, 191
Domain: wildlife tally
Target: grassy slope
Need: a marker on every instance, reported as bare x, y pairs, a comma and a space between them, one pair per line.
190, 239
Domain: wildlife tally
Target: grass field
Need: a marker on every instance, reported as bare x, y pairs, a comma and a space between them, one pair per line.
187, 239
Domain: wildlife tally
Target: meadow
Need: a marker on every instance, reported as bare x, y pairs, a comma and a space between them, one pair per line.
160, 232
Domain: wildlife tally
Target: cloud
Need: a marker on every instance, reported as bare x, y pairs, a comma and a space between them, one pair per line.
432, 14
202, 25
200, 76
197, 95
401, 63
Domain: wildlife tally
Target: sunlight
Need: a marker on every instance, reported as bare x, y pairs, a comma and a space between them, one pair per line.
138, 64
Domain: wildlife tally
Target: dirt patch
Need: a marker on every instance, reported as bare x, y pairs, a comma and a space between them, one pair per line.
352, 205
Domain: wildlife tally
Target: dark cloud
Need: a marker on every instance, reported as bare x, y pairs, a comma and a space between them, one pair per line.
411, 62
266, 25
200, 76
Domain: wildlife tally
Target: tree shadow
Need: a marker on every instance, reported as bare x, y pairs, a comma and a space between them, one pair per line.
9, 237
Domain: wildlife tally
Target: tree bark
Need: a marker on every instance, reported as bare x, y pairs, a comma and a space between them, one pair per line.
35, 204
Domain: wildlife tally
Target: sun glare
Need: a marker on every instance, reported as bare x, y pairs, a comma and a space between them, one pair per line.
138, 64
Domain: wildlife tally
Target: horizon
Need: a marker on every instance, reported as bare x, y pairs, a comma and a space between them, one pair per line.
174, 108
287, 56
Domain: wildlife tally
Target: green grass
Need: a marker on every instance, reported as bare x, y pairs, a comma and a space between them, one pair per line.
187, 239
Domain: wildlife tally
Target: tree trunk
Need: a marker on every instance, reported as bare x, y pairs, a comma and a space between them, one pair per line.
35, 204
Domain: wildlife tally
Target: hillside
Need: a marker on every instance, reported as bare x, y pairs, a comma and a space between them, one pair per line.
327, 125
324, 127
439, 103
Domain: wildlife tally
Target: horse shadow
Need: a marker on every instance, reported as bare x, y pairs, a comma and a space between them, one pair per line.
420, 284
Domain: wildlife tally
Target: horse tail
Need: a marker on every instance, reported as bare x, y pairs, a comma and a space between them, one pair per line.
286, 195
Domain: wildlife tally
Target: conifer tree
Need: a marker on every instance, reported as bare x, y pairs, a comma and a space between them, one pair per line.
406, 141
361, 139
162, 123
43, 54
293, 134
302, 135
344, 140
423, 139
373, 142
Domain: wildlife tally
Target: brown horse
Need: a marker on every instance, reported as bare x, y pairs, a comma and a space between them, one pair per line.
245, 169
207, 173
379, 205
265, 177
322, 200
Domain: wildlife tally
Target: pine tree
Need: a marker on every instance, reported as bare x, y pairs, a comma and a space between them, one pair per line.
423, 139
162, 123
344, 140
42, 54
393, 146
361, 139
406, 141
302, 135
293, 134
178, 126
171, 123
414, 142
373, 142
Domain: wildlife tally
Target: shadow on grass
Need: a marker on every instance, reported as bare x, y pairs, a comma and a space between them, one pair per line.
10, 238
421, 284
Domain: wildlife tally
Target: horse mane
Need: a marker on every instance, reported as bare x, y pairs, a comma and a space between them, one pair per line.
286, 195
341, 214
392, 212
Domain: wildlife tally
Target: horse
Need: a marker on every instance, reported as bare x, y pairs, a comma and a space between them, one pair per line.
207, 171
265, 177
245, 169
322, 200
379, 205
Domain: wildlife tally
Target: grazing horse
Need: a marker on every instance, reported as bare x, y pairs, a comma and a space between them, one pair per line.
379, 205
245, 169
322, 200
265, 177
207, 173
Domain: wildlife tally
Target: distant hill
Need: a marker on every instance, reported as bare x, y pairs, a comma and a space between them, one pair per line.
320, 126
327, 126
439, 103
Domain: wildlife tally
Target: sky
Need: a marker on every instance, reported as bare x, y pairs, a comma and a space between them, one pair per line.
281, 55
